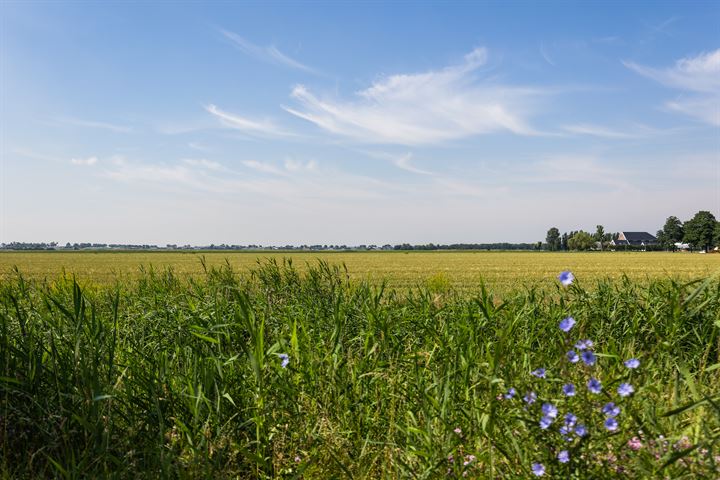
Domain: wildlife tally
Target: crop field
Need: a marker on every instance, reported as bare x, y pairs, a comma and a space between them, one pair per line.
299, 372
501, 271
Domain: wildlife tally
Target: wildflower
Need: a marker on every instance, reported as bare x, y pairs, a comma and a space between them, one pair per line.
458, 430
298, 459
632, 363
549, 410
285, 359
566, 278
625, 390
566, 324
569, 389
570, 419
540, 373
468, 460
572, 356
588, 357
611, 424
611, 410
584, 344
581, 430
538, 469
565, 430
594, 385
510, 393
635, 444
530, 398
563, 456
545, 422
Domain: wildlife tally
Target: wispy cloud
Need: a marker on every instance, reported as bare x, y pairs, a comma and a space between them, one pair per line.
95, 124
423, 108
262, 128
269, 54
598, 131
87, 162
699, 76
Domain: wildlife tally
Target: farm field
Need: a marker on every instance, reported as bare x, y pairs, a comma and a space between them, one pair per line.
501, 271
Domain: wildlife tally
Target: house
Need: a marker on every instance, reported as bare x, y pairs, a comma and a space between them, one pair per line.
636, 239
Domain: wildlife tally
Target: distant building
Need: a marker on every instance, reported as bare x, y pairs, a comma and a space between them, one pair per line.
635, 239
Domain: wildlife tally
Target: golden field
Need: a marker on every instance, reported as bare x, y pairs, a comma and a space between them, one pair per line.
464, 270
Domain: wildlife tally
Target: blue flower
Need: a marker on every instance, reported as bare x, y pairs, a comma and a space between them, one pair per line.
625, 390
569, 389
570, 419
572, 356
540, 373
538, 469
565, 430
611, 424
566, 278
285, 359
566, 324
584, 344
588, 357
563, 456
632, 363
530, 398
611, 410
545, 422
594, 385
510, 393
549, 410
581, 430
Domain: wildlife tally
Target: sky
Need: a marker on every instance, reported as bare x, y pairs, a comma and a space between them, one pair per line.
281, 123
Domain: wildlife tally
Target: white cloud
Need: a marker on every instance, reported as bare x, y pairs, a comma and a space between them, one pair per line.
94, 124
203, 163
598, 131
424, 108
293, 165
263, 167
268, 54
698, 75
88, 162
262, 128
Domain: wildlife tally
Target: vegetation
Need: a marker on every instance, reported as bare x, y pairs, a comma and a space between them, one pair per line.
290, 374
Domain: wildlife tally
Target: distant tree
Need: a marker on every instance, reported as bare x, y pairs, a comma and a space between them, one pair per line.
599, 235
671, 233
552, 240
700, 230
716, 235
564, 241
581, 241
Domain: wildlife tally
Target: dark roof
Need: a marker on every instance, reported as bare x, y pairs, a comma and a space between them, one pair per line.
639, 237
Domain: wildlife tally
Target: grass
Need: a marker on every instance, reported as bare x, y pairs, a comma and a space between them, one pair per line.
176, 376
501, 271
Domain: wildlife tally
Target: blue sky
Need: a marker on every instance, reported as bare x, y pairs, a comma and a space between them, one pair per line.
317, 123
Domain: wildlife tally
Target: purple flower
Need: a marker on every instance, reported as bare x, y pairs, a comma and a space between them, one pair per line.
588, 357
549, 410
285, 359
540, 373
510, 393
611, 410
458, 430
565, 430
594, 385
611, 424
584, 344
569, 389
632, 363
530, 398
570, 419
566, 324
545, 422
563, 456
538, 469
625, 390
566, 278
572, 356
581, 430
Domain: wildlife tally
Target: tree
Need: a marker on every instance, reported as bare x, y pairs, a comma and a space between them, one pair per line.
700, 230
599, 235
581, 241
564, 241
553, 239
671, 233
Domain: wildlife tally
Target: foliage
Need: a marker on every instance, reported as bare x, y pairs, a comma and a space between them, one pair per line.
581, 241
700, 230
672, 233
286, 374
552, 240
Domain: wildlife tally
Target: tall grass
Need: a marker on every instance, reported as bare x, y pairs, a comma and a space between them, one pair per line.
183, 378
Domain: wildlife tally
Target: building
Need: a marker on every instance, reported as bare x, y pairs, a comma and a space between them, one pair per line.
634, 239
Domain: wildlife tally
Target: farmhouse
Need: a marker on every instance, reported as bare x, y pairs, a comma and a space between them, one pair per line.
637, 239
